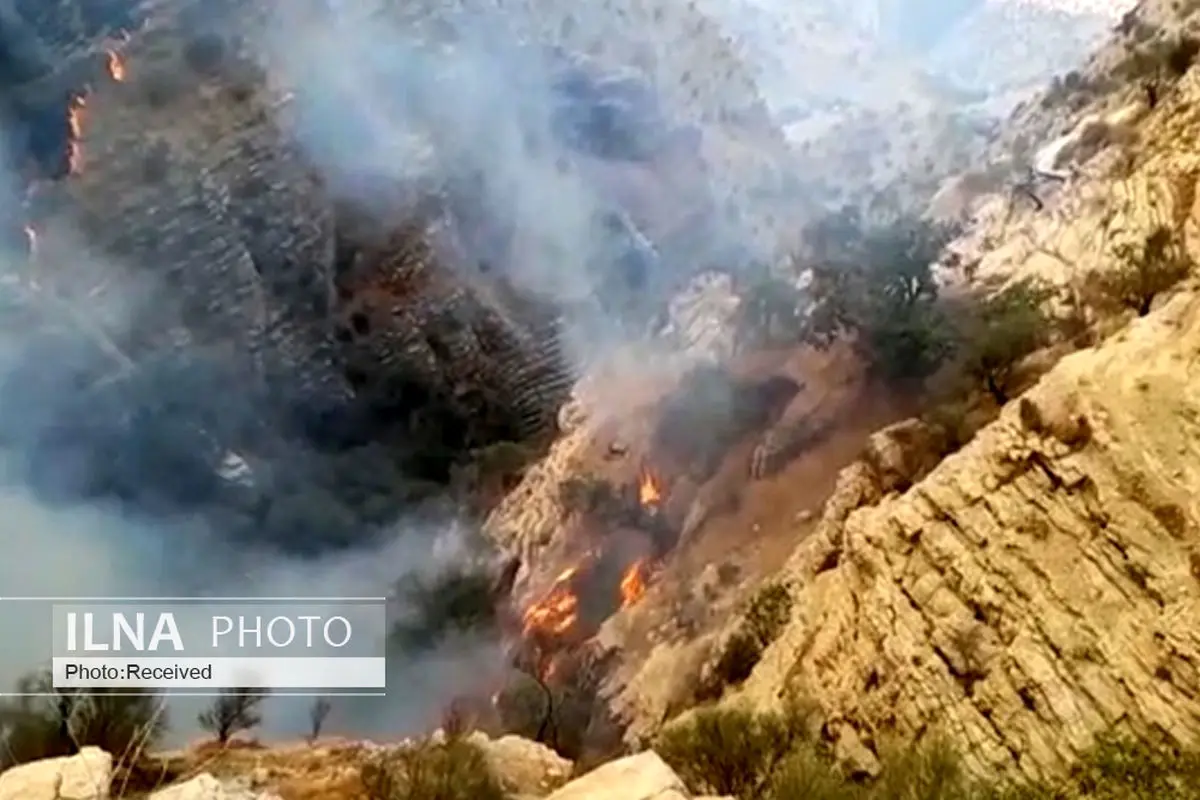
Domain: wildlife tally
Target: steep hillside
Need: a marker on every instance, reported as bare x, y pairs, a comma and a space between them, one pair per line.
1030, 592
1038, 588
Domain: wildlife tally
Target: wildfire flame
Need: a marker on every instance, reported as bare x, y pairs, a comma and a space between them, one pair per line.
75, 126
556, 612
649, 492
116, 67
633, 583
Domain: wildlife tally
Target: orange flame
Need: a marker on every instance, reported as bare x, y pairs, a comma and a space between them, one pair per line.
649, 492
116, 67
556, 612
75, 125
633, 583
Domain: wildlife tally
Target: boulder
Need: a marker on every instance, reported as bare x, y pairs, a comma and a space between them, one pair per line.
524, 768
83, 776
205, 787
644, 776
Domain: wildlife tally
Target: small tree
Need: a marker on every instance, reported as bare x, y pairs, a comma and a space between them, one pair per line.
875, 283
1001, 330
317, 714
1145, 271
232, 711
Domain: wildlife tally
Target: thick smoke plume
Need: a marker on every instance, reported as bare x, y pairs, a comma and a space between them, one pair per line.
537, 146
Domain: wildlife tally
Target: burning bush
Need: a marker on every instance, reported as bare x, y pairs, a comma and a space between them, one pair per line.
451, 770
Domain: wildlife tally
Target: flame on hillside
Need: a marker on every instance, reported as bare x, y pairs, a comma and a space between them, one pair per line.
649, 490
75, 118
633, 583
116, 66
556, 612
608, 578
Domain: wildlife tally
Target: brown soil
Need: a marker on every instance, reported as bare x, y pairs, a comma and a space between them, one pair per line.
765, 519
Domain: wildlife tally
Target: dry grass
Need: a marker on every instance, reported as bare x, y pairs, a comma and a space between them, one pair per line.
327, 770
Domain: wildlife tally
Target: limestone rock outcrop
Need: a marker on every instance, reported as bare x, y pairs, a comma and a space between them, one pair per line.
1038, 588
525, 768
84, 776
644, 776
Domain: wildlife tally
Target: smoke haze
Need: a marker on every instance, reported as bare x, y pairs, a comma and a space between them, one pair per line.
481, 102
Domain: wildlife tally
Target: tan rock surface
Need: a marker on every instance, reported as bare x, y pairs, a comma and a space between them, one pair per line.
84, 776
644, 776
525, 768
1038, 587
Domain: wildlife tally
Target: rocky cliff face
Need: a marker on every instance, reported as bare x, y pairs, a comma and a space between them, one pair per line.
1036, 588
214, 240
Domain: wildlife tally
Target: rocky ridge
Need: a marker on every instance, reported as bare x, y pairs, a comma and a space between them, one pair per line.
1037, 588
527, 770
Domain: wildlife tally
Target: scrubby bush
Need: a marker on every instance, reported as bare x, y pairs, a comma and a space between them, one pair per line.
731, 751
1158, 60
1000, 330
318, 712
1122, 768
233, 711
459, 599
777, 756
765, 617
205, 53
451, 770
59, 722
768, 612
739, 656
1144, 271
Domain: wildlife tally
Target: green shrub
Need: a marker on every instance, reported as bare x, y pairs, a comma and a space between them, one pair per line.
766, 615
931, 770
451, 770
459, 599
775, 757
1001, 330
205, 53
769, 312
808, 774
768, 612
730, 751
1121, 768
739, 657
875, 284
1144, 271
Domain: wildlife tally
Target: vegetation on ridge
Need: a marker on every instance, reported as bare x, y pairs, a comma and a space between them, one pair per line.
781, 756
